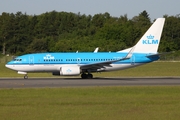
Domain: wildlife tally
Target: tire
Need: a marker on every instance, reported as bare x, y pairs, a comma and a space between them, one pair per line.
25, 77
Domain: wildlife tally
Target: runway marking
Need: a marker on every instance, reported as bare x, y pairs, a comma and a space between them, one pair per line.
12, 83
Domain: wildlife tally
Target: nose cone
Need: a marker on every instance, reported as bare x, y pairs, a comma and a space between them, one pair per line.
8, 66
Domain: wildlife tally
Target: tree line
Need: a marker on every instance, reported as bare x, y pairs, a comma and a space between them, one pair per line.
70, 32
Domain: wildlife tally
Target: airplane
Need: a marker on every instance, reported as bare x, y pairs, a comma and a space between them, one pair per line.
86, 63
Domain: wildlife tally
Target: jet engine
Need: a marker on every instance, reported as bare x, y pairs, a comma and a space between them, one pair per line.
67, 71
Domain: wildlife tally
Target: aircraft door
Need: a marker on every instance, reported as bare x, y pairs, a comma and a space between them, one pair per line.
31, 60
132, 60
78, 60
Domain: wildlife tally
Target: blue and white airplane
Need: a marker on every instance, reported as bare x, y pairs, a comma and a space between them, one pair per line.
71, 64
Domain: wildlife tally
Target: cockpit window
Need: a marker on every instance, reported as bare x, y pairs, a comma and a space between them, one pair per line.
17, 59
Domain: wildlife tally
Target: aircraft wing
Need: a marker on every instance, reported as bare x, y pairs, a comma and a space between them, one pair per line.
99, 65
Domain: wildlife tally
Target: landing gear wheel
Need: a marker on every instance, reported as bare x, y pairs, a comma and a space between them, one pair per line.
86, 76
89, 76
26, 77
83, 76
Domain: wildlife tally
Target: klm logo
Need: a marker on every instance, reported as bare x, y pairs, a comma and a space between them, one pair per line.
150, 40
68, 70
48, 56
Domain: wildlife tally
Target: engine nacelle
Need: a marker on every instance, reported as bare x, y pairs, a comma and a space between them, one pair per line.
68, 70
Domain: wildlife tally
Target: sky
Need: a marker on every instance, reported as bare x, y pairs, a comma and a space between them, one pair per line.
116, 8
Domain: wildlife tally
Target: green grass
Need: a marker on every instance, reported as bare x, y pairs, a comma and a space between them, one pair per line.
152, 69
97, 103
91, 103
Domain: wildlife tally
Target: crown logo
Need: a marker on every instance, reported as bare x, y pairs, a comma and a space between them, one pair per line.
68, 70
150, 37
48, 56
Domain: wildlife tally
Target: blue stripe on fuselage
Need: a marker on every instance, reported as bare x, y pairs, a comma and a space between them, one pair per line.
80, 58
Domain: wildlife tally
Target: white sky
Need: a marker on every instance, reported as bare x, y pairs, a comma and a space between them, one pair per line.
155, 8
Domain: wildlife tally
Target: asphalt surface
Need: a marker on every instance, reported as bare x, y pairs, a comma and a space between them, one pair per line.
77, 82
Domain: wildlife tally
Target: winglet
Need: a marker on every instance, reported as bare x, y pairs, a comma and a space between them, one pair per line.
129, 55
96, 50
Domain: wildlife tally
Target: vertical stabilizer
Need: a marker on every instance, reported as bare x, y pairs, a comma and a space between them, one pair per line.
149, 42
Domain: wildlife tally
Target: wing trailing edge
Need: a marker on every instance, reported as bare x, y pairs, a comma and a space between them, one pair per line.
99, 65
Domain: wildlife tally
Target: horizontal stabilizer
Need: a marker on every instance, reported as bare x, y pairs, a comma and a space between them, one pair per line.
158, 54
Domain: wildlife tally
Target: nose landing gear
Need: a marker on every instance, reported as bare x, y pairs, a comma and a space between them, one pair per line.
26, 76
23, 73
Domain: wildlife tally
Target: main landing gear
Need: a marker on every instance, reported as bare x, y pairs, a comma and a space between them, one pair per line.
86, 76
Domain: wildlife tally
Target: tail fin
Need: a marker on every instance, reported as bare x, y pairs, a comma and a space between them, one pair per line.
149, 42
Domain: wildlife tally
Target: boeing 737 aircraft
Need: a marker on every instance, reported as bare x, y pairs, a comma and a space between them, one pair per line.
71, 64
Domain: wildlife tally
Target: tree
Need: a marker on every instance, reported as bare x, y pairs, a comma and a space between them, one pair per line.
37, 45
63, 31
141, 23
20, 37
171, 36
6, 32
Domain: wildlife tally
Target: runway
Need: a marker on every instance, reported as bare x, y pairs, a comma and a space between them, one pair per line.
77, 82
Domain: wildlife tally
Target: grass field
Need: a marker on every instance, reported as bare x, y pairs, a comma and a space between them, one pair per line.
91, 103
152, 69
95, 103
